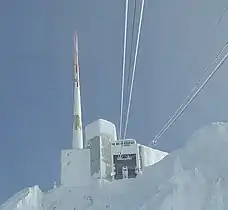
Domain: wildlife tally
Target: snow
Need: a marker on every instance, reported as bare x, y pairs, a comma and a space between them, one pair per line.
100, 127
194, 177
151, 156
27, 199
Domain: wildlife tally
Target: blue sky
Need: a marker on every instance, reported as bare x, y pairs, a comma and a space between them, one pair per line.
179, 40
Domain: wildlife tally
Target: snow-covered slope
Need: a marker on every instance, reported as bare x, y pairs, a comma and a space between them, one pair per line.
194, 177
27, 199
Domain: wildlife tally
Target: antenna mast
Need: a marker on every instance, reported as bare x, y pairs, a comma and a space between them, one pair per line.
77, 113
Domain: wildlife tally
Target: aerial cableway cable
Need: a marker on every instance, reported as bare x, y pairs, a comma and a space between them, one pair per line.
221, 17
191, 93
131, 49
134, 68
130, 85
185, 105
161, 132
123, 70
129, 65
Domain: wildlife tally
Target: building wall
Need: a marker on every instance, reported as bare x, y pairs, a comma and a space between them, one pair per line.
106, 157
95, 154
75, 167
100, 153
100, 127
130, 157
126, 147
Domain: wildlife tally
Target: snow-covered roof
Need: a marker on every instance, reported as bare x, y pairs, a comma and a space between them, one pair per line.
100, 127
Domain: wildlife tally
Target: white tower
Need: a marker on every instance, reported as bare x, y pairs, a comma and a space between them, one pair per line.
77, 124
73, 172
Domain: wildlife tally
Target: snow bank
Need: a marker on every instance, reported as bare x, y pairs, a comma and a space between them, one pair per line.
27, 199
151, 156
199, 177
194, 177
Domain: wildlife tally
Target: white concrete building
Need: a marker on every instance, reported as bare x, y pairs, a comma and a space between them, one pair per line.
100, 155
105, 157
